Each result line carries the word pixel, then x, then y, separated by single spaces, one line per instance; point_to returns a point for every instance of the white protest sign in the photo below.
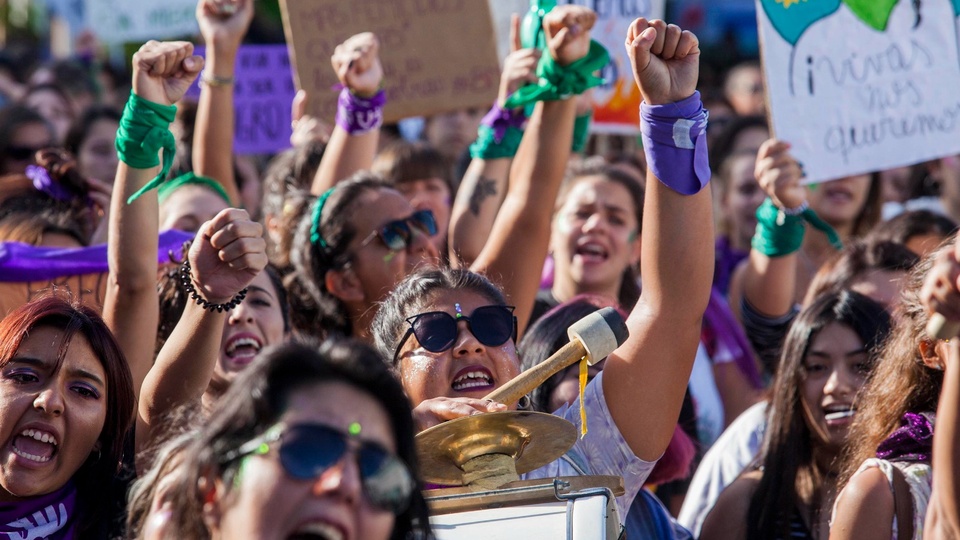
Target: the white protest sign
pixel 122 21
pixel 862 85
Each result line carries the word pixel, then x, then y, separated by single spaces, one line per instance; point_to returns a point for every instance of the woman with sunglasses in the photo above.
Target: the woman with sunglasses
pixel 358 242
pixel 452 335
pixel 314 440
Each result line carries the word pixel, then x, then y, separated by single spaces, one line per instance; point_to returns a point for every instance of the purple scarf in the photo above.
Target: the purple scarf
pixel 51 516
pixel 912 441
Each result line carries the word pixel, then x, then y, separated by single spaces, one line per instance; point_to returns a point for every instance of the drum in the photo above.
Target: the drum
pixel 575 508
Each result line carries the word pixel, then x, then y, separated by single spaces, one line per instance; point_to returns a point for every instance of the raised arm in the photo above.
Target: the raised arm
pixel 645 379
pixel 353 143
pixel 941 293
pixel 514 253
pixel 227 253
pixel 484 185
pixel 768 279
pixel 223 26
pixel 162 72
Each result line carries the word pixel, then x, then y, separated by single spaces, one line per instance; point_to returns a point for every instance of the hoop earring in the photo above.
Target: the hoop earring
pixel 524 403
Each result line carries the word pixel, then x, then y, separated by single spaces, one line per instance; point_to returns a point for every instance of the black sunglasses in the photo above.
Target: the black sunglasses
pixel 307 450
pixel 437 330
pixel 398 234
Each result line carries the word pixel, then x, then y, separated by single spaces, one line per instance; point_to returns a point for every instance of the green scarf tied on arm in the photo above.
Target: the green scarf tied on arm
pixel 560 82
pixel 144 131
pixel 780 233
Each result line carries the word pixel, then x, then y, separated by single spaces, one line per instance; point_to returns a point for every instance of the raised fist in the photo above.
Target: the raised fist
pixel 356 62
pixel 665 59
pixel 227 253
pixel 163 71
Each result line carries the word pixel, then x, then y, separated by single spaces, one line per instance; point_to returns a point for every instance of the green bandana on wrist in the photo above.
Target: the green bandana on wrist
pixel 779 234
pixel 486 146
pixel 560 82
pixel 144 131
pixel 581 132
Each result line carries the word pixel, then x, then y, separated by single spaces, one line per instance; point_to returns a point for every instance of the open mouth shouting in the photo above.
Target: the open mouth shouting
pixel 839 414
pixel 473 378
pixel 591 252
pixel 318 530
pixel 35 445
pixel 242 348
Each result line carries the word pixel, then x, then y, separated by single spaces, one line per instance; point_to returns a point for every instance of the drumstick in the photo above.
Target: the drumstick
pixel 594 336
pixel 939 327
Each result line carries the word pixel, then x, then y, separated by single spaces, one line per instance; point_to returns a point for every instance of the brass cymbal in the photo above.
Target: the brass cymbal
pixel 533 439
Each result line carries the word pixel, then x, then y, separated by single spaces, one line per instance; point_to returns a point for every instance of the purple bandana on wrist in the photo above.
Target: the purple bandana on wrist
pixel 499 119
pixel 912 441
pixel 357 115
pixel 42 181
pixel 675 140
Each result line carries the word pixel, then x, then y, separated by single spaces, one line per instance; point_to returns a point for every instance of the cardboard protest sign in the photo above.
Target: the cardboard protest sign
pixel 862 85
pixel 262 95
pixel 27 272
pixel 121 21
pixel 437 55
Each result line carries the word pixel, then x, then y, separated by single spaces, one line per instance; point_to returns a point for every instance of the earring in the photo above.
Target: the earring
pixel 524 403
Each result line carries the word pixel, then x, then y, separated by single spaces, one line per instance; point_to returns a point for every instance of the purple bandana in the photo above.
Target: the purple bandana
pixel 51 516
pixel 675 141
pixel 42 181
pixel 357 115
pixel 912 441
pixel 499 119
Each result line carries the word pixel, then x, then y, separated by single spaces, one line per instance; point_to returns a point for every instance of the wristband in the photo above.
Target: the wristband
pixel 499 133
pixel 581 132
pixel 560 82
pixel 357 115
pixel 186 281
pixel 209 79
pixel 145 130
pixel 778 234
pixel 675 141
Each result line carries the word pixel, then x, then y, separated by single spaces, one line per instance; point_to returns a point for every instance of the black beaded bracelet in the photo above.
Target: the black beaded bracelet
pixel 186 280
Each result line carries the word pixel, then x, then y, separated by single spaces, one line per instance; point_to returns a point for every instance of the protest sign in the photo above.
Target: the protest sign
pixel 122 21
pixel 616 103
pixel 861 85
pixel 437 55
pixel 262 95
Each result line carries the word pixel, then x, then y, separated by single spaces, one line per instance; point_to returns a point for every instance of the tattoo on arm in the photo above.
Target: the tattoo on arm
pixel 485 188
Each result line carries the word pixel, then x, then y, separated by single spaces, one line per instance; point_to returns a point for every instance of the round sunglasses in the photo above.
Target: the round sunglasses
pixel 397 235
pixel 307 450
pixel 436 331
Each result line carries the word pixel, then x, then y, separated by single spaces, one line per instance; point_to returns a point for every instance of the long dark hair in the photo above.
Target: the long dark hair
pixel 257 400
pixel 71 320
pixel 788 455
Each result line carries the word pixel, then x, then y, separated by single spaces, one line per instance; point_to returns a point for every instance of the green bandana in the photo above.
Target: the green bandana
pixel 144 131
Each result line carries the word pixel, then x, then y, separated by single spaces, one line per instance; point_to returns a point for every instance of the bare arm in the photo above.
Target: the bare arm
pixel 213 136
pixel 864 509
pixel 227 253
pixel 941 294
pixel 161 73
pixel 645 379
pixel 357 64
pixel 519 239
pixel 769 283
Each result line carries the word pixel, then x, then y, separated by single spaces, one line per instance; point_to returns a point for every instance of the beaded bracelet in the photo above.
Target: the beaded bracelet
pixel 187 282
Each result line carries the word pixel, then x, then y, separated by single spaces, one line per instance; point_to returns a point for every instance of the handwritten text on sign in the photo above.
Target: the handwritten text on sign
pixel 854 92
pixel 262 95
pixel 437 55
pixel 122 21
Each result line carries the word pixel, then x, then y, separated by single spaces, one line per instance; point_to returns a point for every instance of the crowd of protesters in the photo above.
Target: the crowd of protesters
pixel 269 334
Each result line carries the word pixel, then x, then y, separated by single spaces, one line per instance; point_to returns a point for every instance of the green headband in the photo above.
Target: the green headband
pixel 167 188
pixel 315 237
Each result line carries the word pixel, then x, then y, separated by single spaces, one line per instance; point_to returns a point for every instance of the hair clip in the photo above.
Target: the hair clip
pixel 42 181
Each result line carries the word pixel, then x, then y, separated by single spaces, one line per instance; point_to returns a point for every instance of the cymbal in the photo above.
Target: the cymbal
pixel 533 439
